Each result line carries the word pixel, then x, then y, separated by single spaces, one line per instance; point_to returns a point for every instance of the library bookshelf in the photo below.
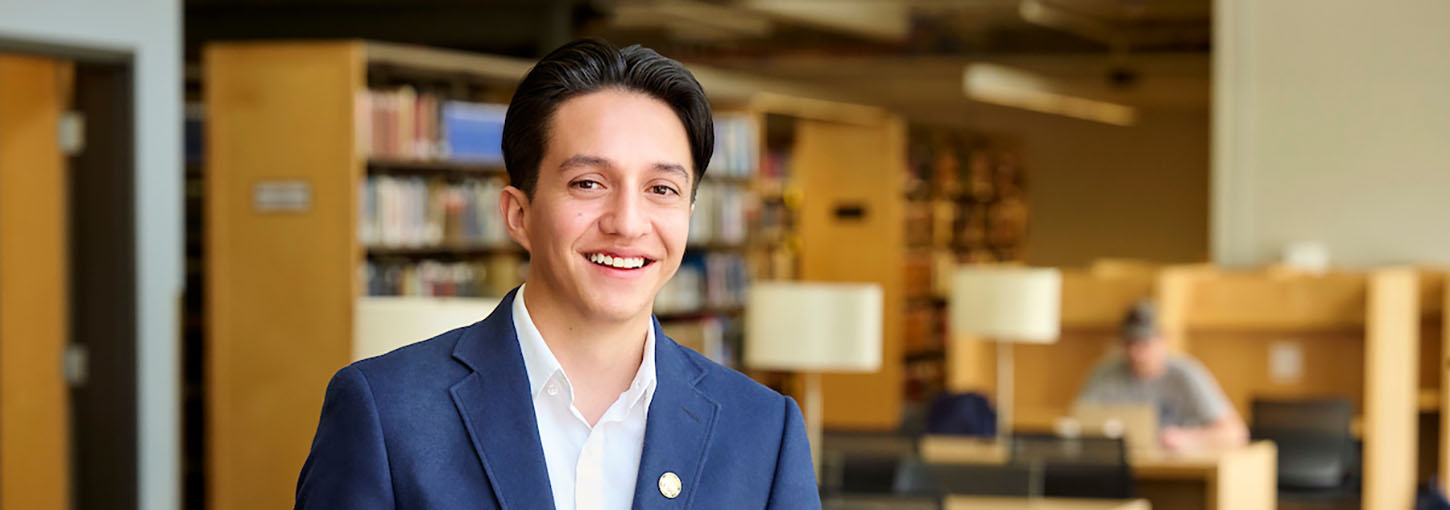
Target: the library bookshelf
pixel 302 147
pixel 966 203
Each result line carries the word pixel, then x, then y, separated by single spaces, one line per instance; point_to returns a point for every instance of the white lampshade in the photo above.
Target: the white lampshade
pixel 384 323
pixel 1006 304
pixel 813 327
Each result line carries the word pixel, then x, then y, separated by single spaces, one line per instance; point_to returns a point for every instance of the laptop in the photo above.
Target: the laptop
pixel 1137 424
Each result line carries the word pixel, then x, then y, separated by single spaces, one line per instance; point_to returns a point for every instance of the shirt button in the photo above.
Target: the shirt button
pixel 552 389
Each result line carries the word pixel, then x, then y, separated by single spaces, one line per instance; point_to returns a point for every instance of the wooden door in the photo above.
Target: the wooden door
pixel 34 426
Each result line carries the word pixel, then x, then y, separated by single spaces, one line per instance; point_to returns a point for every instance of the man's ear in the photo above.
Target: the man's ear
pixel 513 206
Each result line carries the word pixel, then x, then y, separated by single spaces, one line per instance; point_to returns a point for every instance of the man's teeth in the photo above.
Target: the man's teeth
pixel 618 262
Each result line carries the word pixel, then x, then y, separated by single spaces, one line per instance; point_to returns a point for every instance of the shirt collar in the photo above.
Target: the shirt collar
pixel 541 365
pixel 539 361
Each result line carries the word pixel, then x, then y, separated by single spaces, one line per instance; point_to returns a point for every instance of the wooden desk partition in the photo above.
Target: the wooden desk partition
pixel 1048 377
pixel 1238 479
pixel 1353 335
pixel 993 503
pixel 1434 400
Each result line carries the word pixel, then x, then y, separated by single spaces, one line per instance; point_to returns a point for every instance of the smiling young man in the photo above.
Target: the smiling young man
pixel 568 395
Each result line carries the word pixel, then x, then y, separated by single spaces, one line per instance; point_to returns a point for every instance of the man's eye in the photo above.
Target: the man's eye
pixel 663 190
pixel 586 185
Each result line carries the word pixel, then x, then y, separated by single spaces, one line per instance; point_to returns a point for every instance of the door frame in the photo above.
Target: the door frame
pixel 102 274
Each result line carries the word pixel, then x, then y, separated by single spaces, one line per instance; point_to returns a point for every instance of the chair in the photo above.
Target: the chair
pixel 1006 480
pixel 966 414
pixel 1080 467
pixel 1316 448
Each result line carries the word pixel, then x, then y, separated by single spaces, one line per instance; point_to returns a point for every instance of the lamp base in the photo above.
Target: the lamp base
pixel 812 382
pixel 1004 390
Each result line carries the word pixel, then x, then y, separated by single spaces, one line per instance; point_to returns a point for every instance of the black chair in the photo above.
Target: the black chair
pixel 1318 456
pixel 1082 467
pixel 1005 480
pixel 880 502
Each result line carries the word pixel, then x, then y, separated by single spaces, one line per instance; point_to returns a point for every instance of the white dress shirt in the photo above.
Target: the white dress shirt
pixel 589 467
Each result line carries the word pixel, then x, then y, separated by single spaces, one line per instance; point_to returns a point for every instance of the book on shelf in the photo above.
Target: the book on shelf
pixel 736 146
pixel 704 282
pixel 473 131
pixel 404 124
pixel 491 276
pixel 712 336
pixel 415 211
pixel 775 172
pixel 720 215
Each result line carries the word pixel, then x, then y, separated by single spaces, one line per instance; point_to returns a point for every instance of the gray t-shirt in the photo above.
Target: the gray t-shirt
pixel 1186 395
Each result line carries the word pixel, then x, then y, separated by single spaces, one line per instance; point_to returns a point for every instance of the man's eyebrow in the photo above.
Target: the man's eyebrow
pixel 585 160
pixel 673 167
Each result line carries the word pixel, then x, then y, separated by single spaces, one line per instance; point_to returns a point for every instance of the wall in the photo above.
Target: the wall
pixel 1097 190
pixel 1331 124
pixel 151 31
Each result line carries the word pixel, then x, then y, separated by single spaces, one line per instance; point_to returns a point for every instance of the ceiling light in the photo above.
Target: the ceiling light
pixel 1005 86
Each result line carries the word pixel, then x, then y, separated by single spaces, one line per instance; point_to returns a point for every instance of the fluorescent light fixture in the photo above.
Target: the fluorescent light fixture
pixel 1005 86
pixel 691 19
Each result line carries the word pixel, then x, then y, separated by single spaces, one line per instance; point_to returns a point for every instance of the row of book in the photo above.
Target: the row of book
pixel 943 162
pixel 402 123
pixel 717 337
pixel 1000 222
pixel 489 277
pixel 415 211
pixel 713 280
pixel 775 169
pixel 737 146
pixel 720 214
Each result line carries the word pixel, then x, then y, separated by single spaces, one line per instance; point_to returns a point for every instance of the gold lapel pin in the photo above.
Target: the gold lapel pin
pixel 670 485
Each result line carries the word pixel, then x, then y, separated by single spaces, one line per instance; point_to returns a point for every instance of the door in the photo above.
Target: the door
pixel 34 289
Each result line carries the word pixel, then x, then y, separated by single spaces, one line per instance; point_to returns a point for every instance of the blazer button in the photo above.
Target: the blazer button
pixel 670 485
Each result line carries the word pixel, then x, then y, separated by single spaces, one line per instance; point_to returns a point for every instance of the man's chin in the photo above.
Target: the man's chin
pixel 620 311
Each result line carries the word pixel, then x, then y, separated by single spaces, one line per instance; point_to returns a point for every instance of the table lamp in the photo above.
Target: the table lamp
pixel 811 328
pixel 1006 305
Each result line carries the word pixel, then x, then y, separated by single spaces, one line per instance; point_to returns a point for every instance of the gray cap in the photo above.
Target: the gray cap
pixel 1141 323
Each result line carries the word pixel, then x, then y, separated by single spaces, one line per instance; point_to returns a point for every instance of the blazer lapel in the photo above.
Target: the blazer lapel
pixel 678 430
pixel 498 411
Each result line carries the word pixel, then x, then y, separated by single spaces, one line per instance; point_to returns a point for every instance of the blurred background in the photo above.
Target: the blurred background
pixel 207 207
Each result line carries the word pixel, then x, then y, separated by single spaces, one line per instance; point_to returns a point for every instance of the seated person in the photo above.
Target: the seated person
pixel 1193 412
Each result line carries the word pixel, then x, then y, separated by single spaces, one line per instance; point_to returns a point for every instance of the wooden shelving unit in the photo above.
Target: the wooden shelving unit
pixel 438 168
pixel 965 203
pixel 282 286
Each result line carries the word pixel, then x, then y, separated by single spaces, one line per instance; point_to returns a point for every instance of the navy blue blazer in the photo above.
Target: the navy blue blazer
pixel 449 423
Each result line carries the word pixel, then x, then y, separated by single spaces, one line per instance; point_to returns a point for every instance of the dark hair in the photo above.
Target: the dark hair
pixel 590 65
pixel 1141 322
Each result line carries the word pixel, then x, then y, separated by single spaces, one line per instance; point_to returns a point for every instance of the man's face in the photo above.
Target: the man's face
pixel 1146 357
pixel 607 225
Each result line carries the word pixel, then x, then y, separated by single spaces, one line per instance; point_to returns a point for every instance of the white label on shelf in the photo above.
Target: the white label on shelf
pixel 1286 361
pixel 281 196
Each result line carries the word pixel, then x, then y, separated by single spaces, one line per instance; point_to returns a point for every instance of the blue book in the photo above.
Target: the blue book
pixel 473 131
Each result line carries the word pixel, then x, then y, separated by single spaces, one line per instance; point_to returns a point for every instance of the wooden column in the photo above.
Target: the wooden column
pixel 281 284
pixel 846 168
pixel 1391 406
